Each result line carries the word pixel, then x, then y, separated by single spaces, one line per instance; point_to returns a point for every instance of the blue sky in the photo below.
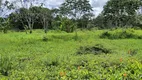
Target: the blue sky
pixel 96 4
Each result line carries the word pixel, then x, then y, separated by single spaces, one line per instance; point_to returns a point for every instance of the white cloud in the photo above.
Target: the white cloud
pixel 53 3
pixel 96 4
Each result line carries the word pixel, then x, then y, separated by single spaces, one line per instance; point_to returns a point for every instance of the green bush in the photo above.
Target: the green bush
pixel 121 34
pixel 67 25
pixel 5 25
pixel 45 38
pixel 96 50
pixel 6 65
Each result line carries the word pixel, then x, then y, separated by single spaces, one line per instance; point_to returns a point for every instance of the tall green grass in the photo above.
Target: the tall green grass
pixel 30 57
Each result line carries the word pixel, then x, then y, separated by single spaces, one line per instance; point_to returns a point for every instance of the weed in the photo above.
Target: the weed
pixel 96 50
pixel 45 38
pixel 6 65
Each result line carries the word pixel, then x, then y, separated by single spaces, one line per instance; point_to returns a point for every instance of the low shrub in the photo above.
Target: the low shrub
pixel 96 50
pixel 133 52
pixel 45 38
pixel 6 65
pixel 121 34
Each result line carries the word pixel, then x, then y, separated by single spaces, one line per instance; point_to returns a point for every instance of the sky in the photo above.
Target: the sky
pixel 96 4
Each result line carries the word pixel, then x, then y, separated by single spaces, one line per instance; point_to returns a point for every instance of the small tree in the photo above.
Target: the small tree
pixel 45 17
pixel 4 8
pixel 27 17
pixel 5 25
pixel 67 25
pixel 75 8
pixel 27 14
pixel 30 17
pixel 138 21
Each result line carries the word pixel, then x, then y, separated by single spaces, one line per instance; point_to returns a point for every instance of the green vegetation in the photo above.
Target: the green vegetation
pixel 122 34
pixel 31 57
pixel 71 15
pixel 70 42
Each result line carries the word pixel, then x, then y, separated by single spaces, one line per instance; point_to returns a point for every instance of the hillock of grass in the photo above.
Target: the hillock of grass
pixel 96 50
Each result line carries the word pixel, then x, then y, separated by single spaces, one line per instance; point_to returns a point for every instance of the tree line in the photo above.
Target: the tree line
pixel 70 15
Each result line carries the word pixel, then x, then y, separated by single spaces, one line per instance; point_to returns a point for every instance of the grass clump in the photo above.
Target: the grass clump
pixel 96 50
pixel 45 38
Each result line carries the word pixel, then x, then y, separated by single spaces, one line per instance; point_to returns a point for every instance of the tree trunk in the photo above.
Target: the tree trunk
pixel 45 24
pixel 46 27
pixel 29 25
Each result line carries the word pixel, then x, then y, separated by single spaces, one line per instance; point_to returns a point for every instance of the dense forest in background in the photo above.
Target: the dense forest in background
pixel 71 15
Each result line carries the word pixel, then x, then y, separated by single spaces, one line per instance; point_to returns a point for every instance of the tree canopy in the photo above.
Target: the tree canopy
pixel 75 8
pixel 121 12
pixel 71 14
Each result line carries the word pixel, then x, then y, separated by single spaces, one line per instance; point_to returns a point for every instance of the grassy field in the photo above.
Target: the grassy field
pixel 55 56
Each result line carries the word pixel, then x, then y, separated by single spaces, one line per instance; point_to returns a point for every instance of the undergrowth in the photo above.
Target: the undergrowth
pixel 121 34
pixel 62 56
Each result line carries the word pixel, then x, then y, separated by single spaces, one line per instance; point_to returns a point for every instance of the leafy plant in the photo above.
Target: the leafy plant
pixel 5 25
pixel 97 49
pixel 6 65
